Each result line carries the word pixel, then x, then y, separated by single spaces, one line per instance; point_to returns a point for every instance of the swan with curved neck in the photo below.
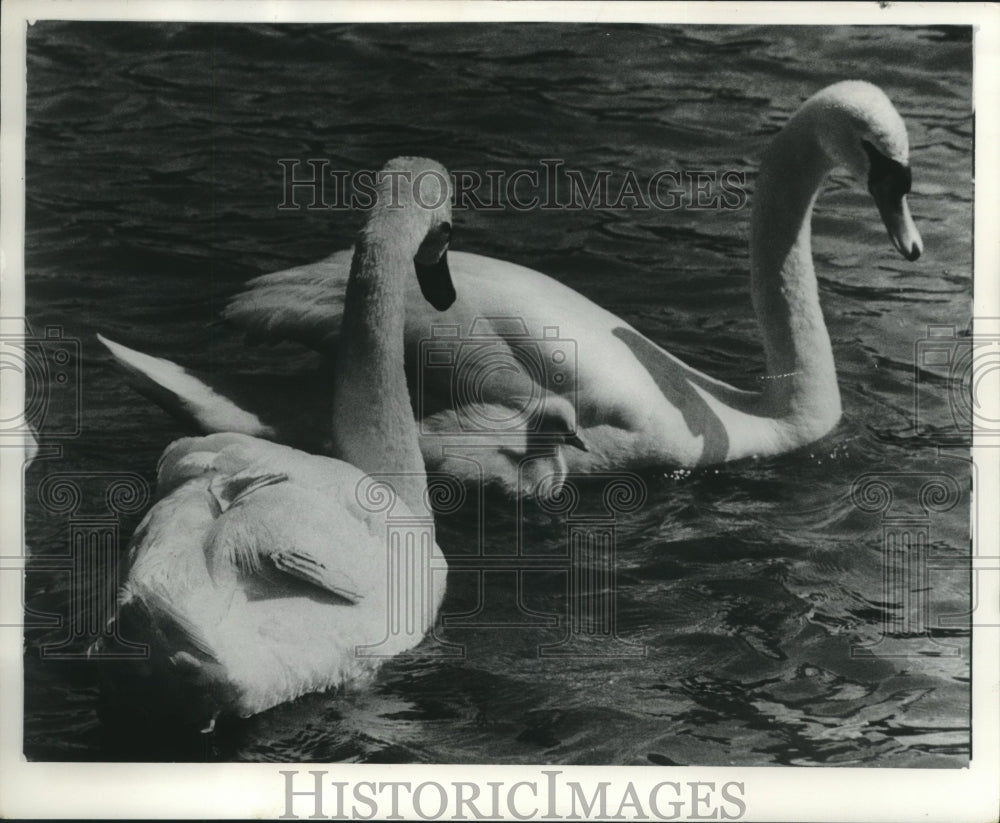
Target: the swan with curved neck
pixel 850 124
pixel 636 404
pixel 261 573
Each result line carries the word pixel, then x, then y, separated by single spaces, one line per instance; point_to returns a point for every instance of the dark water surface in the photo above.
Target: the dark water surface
pixel 152 194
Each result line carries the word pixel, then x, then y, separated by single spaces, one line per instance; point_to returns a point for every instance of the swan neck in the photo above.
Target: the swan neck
pixel 800 381
pixel 373 424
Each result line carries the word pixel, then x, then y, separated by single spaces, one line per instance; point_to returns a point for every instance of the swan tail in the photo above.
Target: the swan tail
pixel 183 394
pixel 302 305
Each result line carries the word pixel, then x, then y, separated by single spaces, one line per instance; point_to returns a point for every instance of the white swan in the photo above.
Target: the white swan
pixel 636 404
pixel 260 574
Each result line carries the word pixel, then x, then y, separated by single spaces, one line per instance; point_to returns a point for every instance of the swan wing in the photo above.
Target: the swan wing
pixel 240 518
pixel 311 568
pixel 277 527
pixel 278 511
pixel 303 304
pixel 289 408
pixel 183 393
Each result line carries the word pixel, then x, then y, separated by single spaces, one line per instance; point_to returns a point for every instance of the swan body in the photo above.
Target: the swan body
pixel 259 575
pixel 636 404
pixel 262 573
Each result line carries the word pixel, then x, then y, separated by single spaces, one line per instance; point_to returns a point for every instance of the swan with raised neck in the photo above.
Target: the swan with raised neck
pixel 370 374
pixel 851 124
pixel 263 573
pixel 636 405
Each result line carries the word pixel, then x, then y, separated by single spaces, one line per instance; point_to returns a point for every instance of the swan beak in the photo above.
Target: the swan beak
pixel 575 441
pixel 898 222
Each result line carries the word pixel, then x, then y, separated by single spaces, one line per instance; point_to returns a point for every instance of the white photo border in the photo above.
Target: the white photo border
pixel 209 790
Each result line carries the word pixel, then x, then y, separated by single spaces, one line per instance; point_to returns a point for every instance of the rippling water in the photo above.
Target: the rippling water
pixel 152 187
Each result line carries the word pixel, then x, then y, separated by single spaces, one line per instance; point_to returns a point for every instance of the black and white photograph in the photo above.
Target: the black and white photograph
pixel 531 412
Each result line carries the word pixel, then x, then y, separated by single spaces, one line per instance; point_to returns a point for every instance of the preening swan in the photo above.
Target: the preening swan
pixel 526 462
pixel 262 572
pixel 636 404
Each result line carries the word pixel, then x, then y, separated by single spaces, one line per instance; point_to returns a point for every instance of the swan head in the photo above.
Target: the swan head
pixel 538 462
pixel 557 420
pixel 858 127
pixel 414 194
pixel 517 450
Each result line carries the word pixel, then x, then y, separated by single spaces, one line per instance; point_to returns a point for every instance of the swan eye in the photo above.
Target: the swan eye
pixel 883 173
